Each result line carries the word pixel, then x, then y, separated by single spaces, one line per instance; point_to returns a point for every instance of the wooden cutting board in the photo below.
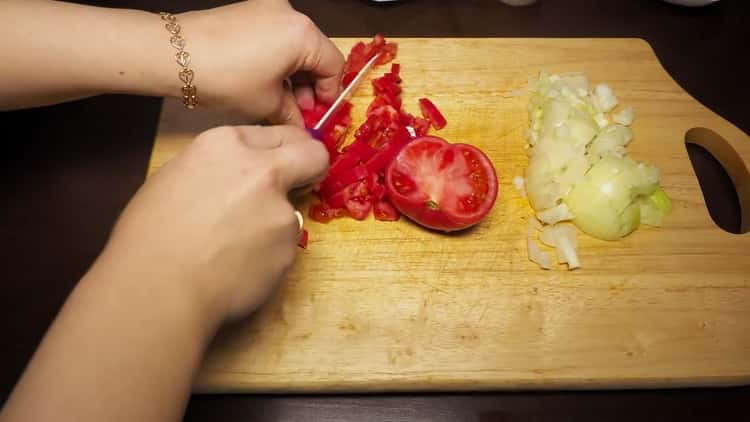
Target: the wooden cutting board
pixel 374 306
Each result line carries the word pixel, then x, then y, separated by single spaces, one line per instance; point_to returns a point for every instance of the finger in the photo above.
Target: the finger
pixel 305 97
pixel 302 160
pixel 299 193
pixel 289 112
pixel 303 90
pixel 325 63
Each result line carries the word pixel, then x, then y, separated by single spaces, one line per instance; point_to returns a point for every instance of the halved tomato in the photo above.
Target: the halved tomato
pixel 440 185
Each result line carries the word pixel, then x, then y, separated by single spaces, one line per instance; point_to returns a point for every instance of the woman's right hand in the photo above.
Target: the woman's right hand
pixel 215 222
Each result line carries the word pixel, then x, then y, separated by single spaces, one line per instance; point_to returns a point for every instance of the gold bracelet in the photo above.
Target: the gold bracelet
pixel 189 91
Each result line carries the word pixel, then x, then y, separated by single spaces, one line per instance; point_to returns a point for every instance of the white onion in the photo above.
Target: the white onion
pixel 579 169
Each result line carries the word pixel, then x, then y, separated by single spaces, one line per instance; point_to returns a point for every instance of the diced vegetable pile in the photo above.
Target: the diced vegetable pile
pixel 354 185
pixel 579 170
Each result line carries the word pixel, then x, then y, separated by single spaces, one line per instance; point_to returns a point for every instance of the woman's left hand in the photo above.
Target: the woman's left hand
pixel 243 53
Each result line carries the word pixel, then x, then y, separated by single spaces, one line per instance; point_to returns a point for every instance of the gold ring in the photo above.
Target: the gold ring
pixel 300 220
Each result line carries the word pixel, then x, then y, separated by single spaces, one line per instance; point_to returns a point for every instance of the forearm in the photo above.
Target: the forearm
pixel 123 348
pixel 54 51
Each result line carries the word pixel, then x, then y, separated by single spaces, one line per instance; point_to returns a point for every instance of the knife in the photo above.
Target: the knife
pixel 315 131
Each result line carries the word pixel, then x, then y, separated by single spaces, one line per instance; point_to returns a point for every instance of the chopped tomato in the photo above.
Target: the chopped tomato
pixel 312 116
pixel 431 113
pixel 335 183
pixel 357 152
pixel 303 237
pixel 361 53
pixel 384 211
pixel 334 132
pixel 440 185
pixel 323 213
pixel 385 155
pixel 421 126
pixel 389 53
pixel 396 70
pixel 359 207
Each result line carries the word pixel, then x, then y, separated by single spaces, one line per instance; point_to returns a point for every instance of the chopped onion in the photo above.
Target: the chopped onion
pixel 562 237
pixel 579 169
pixel 536 255
pixel 625 116
pixel 566 245
pixel 604 98
pixel 554 215
pixel 533 224
pixel 655 208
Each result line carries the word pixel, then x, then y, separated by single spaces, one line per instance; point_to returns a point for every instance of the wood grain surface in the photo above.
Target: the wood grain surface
pixel 376 306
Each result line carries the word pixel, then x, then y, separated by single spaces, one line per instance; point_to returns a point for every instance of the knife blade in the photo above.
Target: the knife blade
pixel 315 130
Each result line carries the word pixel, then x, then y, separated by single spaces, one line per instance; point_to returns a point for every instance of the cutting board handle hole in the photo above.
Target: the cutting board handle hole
pixel 716 163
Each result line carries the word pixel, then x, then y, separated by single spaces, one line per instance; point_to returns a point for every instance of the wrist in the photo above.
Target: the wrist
pixel 173 298
pixel 133 55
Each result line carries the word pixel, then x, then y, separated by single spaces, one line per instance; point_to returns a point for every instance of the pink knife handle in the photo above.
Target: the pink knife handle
pixel 315 133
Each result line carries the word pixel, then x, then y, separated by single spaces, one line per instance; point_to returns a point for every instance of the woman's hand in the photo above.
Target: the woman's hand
pixel 205 239
pixel 216 218
pixel 243 53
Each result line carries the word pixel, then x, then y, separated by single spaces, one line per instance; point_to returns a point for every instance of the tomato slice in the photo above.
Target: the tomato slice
pixel 440 185
pixel 431 113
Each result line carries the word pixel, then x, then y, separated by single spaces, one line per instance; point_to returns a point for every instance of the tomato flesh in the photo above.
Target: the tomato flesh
pixel 440 185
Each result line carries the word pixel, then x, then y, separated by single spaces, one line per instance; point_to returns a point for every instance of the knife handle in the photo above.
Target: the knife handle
pixel 316 134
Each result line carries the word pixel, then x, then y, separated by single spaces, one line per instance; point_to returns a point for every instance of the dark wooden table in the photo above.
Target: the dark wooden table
pixel 67 171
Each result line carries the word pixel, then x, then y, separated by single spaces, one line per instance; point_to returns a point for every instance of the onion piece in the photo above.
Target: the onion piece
pixel 561 212
pixel 563 238
pixel 625 116
pixel 655 208
pixel 604 98
pixel 536 255
pixel 533 225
